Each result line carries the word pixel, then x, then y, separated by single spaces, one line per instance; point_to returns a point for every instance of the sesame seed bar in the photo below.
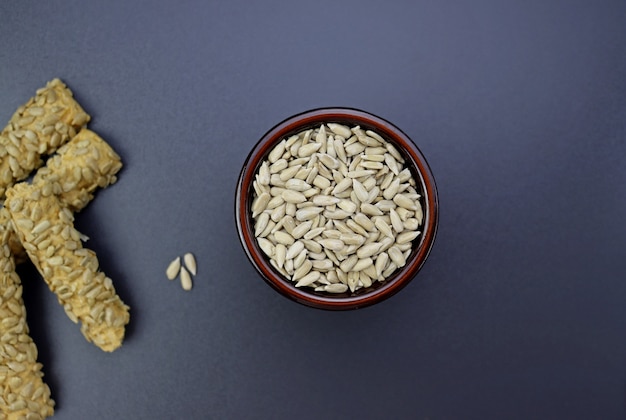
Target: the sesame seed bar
pixel 54 246
pixel 24 392
pixel 39 127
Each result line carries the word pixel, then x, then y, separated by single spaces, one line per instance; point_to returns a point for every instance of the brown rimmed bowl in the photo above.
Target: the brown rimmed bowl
pixel 363 297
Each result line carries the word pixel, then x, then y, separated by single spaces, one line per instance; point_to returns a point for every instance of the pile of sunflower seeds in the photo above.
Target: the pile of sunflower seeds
pixel 335 209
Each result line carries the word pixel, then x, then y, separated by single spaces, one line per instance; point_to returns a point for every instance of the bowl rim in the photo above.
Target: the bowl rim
pixel 390 132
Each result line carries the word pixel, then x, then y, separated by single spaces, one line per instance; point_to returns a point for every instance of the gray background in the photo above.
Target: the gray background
pixel 520 108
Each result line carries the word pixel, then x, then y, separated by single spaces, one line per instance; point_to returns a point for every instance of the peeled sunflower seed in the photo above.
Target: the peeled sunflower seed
pixel 297 185
pixel 173 269
pixel 336 288
pixel 190 263
pixel 185 279
pixel 340 130
pixel 294 250
pixel 308 279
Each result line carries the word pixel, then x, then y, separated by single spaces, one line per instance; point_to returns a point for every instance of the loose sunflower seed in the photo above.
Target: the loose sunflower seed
pixel 173 268
pixel 185 279
pixel 190 263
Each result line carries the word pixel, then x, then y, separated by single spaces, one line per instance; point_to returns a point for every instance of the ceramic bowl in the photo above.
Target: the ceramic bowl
pixel 425 186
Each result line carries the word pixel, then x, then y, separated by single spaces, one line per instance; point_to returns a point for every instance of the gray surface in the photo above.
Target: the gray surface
pixel 520 107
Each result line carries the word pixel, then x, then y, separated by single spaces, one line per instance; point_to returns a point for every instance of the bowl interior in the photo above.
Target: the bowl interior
pixel 425 186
